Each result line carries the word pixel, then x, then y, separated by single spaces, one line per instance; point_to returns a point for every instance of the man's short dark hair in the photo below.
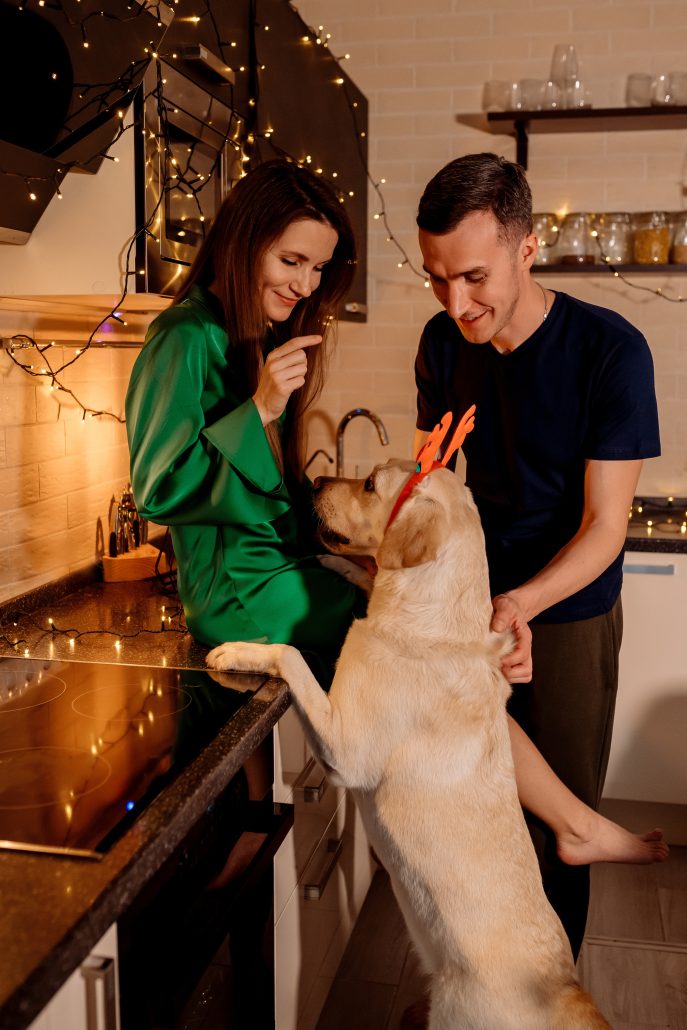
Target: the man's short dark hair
pixel 478 182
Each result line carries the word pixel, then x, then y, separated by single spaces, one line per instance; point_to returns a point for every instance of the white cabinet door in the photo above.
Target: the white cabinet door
pixel 326 851
pixel 647 761
pixel 89 998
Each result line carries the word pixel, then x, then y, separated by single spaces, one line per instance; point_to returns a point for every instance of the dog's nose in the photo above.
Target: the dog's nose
pixel 320 481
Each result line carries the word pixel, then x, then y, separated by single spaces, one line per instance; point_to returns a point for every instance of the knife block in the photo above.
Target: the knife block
pixel 132 565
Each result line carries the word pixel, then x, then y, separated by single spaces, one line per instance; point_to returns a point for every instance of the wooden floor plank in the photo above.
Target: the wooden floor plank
pixel 379 943
pixel 671 878
pixel 638 979
pixel 411 988
pixel 637 987
pixel 624 902
pixel 357 1005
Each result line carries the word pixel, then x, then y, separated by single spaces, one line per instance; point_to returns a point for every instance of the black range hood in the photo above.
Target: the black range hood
pixel 69 69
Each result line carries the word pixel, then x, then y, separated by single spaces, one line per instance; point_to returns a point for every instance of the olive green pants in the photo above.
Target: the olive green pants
pixel 567 710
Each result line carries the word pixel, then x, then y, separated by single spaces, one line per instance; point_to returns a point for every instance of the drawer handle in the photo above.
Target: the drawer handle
pixel 650 570
pixel 311 783
pixel 98 970
pixel 324 867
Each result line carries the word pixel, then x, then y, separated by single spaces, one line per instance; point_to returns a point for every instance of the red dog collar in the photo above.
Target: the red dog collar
pixel 425 458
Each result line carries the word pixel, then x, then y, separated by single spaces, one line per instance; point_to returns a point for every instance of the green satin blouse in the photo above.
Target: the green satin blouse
pixel 201 463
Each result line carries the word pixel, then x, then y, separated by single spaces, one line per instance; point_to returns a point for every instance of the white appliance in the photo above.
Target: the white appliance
pixel 648 760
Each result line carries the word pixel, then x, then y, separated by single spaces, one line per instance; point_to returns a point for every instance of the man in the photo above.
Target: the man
pixel 566 412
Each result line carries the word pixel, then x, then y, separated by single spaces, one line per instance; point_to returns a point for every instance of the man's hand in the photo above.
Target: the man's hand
pixel 516 666
pixel 283 372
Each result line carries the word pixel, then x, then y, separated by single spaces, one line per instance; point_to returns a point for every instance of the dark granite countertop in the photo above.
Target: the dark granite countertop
pixel 658 541
pixel 54 909
pixel 656 523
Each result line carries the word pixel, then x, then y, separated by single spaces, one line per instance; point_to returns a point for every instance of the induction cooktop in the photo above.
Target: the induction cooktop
pixel 85 747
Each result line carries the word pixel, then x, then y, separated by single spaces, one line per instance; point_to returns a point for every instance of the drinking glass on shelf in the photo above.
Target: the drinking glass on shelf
pixel 515 102
pixel 532 93
pixel 552 99
pixel 662 95
pixel 496 95
pixel 575 94
pixel 678 87
pixel 564 66
pixel 639 89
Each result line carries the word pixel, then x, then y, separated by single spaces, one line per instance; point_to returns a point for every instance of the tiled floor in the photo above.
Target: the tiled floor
pixel 634 959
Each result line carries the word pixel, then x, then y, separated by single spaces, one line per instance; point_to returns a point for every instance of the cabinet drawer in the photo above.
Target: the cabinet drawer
pixel 89 998
pixel 290 755
pixel 311 935
pixel 302 938
pixel 311 824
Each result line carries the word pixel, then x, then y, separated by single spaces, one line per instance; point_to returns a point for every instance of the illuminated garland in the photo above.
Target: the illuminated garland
pixel 618 274
pixel 183 178
pixel 167 616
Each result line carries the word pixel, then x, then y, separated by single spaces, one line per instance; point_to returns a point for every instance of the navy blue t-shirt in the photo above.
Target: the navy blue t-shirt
pixel 581 387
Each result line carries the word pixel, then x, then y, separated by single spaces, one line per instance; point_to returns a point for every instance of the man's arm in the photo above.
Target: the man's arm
pixel 609 487
pixel 608 492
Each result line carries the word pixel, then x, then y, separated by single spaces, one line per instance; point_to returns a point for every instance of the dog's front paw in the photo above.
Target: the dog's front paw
pixel 240 656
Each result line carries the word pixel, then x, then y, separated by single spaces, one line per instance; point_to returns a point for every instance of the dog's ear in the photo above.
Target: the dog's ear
pixel 414 538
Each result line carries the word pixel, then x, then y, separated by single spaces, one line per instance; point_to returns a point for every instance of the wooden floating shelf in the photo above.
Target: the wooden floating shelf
pixel 590 119
pixel 599 269
pixel 522 124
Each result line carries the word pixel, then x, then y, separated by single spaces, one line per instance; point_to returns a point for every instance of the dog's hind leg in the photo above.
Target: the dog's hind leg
pixel 320 718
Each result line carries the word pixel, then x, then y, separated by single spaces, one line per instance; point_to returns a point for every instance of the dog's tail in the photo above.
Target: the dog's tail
pixel 576 1011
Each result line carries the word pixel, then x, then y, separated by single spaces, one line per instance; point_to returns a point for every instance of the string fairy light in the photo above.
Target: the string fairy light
pixel 183 177
pixel 618 273
pixel 48 628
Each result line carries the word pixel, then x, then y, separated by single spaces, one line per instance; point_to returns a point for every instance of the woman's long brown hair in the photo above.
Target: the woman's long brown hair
pixel 259 208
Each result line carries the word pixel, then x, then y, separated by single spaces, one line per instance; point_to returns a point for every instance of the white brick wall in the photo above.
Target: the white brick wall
pixel 420 64
pixel 57 471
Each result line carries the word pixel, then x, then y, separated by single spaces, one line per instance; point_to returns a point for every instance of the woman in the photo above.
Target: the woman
pixel 215 416
pixel 215 420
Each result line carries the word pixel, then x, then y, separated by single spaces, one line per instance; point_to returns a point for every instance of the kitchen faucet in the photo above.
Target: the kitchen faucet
pixel 379 425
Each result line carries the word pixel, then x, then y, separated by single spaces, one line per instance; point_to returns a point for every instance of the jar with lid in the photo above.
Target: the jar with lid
pixel 651 238
pixel 613 232
pixel 545 228
pixel 678 249
pixel 576 246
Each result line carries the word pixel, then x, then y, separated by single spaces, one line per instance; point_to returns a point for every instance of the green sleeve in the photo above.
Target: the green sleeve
pixel 198 455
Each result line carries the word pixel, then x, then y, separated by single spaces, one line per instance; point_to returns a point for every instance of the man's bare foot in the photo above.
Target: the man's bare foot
pixel 605 841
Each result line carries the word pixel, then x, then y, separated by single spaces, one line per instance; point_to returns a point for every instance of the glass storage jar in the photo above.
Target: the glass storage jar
pixel 576 246
pixel 651 238
pixel 614 237
pixel 678 249
pixel 545 228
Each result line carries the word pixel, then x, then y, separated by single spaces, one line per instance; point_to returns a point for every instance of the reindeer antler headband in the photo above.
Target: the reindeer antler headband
pixel 425 458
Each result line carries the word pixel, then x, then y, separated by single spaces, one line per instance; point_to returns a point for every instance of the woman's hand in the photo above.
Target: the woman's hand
pixel 516 666
pixel 283 372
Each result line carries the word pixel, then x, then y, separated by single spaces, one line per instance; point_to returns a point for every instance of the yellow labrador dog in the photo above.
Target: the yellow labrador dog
pixel 415 726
